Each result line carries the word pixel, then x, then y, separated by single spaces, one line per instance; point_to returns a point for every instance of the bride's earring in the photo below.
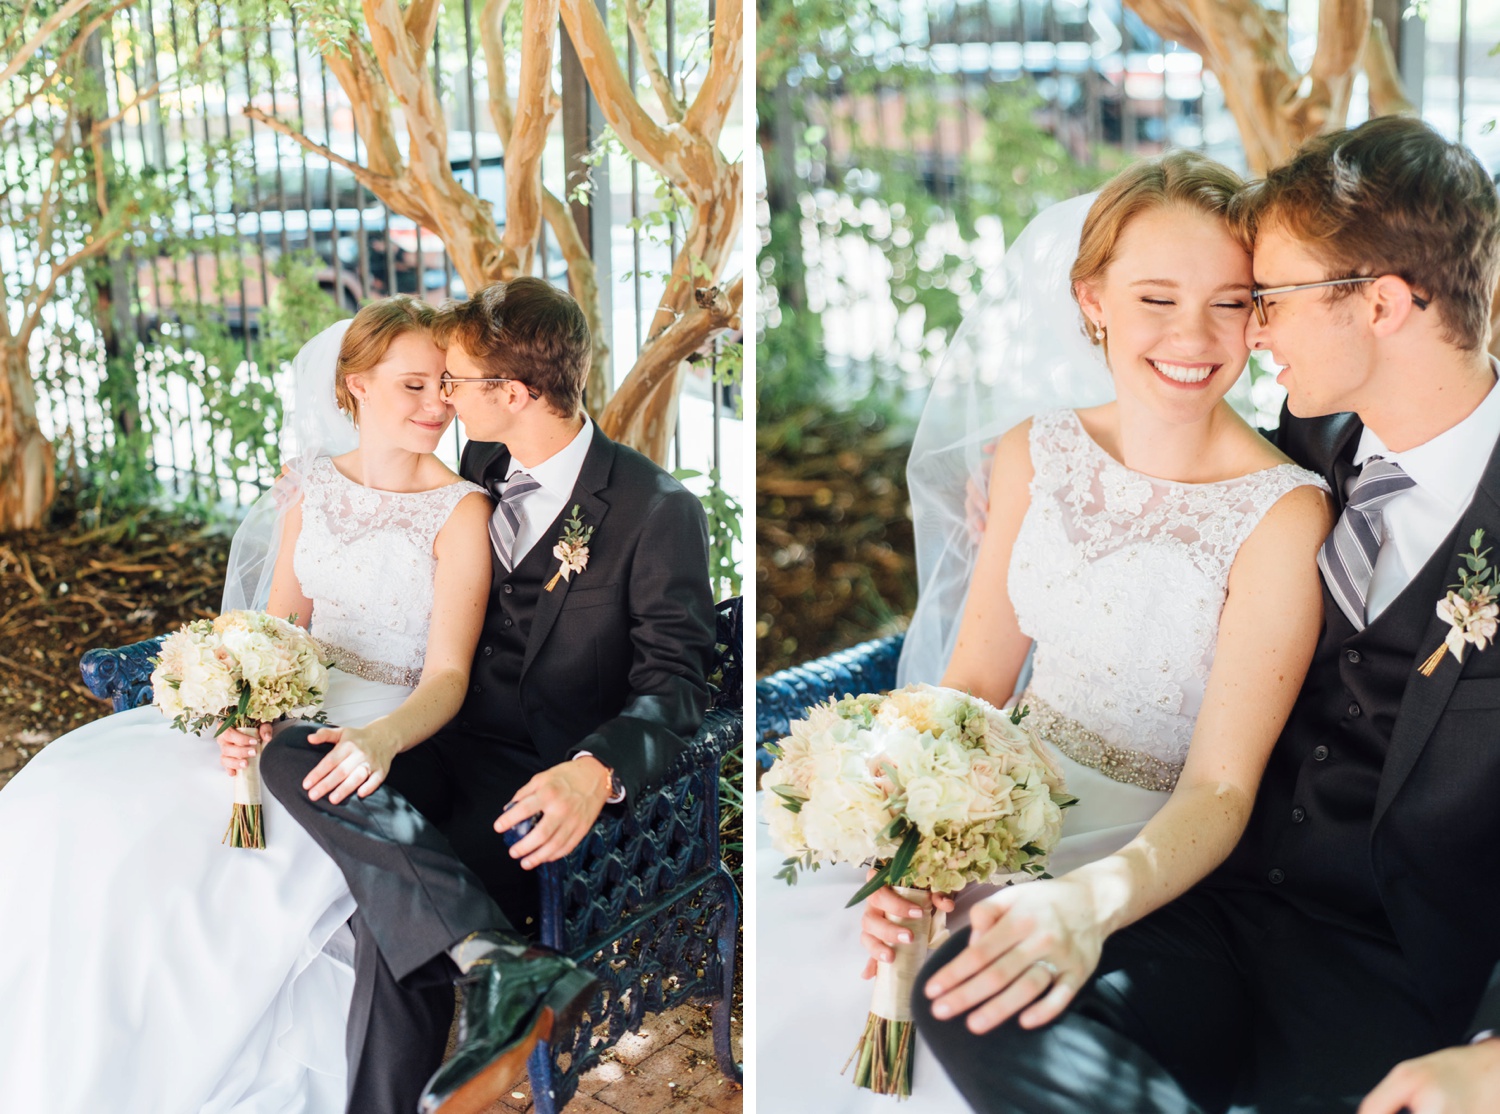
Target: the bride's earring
pixel 1099 333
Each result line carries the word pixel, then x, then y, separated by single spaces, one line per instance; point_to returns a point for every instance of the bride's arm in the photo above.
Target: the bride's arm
pixel 287 598
pixel 461 587
pixel 987 657
pixel 990 650
pixel 1267 634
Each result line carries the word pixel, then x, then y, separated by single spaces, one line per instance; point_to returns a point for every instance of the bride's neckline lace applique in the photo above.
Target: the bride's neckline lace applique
pixel 1120 578
pixel 365 559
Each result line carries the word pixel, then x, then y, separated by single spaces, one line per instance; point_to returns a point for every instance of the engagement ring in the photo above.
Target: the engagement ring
pixel 1048 966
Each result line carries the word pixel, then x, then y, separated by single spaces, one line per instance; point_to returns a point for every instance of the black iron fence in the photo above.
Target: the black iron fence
pixel 177 346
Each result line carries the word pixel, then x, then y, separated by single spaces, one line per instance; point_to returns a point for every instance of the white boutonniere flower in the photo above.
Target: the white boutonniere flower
pixel 1471 608
pixel 572 549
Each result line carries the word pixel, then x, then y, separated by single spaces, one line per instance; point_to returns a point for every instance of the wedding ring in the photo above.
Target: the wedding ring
pixel 365 766
pixel 1051 968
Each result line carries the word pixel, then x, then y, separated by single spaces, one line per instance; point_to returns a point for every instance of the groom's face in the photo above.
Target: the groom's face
pixel 1324 354
pixel 487 410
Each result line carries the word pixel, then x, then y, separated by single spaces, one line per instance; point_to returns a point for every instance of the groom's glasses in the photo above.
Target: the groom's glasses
pixel 1258 297
pixel 448 383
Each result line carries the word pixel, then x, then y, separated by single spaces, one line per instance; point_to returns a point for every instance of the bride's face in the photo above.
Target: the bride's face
pixel 1174 303
pixel 400 402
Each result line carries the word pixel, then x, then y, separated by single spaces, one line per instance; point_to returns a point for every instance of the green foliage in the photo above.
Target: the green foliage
pixel 820 61
pixel 724 514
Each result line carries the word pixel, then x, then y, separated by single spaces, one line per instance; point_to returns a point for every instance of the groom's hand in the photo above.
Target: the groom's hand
pixel 1462 1080
pixel 569 797
pixel 236 748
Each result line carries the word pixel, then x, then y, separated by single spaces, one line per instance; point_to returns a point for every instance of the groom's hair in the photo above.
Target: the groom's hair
pixel 527 330
pixel 1391 197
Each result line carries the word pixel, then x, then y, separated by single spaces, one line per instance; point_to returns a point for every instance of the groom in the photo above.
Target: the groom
pixel 1347 955
pixel 582 692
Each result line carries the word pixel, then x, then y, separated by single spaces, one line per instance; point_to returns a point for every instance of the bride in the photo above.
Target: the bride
pixel 1154 552
pixel 146 968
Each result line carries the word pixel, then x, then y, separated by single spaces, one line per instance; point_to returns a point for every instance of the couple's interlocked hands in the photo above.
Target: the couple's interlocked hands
pixel 564 800
pixel 1031 945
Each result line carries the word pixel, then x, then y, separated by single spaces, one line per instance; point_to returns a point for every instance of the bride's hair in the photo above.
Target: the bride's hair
pixel 370 335
pixel 1183 178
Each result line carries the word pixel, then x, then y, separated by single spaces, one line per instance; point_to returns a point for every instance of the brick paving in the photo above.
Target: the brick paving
pixel 668 1066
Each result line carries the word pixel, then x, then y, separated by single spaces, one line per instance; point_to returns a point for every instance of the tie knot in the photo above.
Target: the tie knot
pixel 1379 481
pixel 519 485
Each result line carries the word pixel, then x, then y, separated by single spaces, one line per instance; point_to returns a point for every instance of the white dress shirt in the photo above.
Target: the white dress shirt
pixel 1447 471
pixel 558 475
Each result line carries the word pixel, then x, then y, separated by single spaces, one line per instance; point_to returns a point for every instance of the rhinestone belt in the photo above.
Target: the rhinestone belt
pixel 1090 749
pixel 369 668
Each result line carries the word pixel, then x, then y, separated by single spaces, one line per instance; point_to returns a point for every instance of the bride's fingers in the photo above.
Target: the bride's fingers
pixel 869 971
pixel 887 901
pixel 986 945
pixel 372 783
pixel 885 932
pixel 1015 967
pixel 334 770
pixel 326 735
pixel 1050 1007
pixel 354 776
pixel 1032 984
pixel 877 948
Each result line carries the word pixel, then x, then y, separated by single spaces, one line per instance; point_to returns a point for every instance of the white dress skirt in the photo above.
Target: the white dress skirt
pixel 811 1004
pixel 145 967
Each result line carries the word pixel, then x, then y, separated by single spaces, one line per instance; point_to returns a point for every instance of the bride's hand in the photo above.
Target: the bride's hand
pixel 359 762
pixel 236 748
pixel 878 934
pixel 1017 937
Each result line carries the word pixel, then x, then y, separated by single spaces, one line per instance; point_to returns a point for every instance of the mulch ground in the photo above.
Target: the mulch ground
pixel 833 554
pixel 73 587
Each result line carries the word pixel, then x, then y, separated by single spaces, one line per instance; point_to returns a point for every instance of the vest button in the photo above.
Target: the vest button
pixel 488 650
pixel 1353 710
pixel 1319 753
pixel 508 588
pixel 476 690
pixel 1298 815
pixel 1352 655
pixel 1276 877
pixel 509 622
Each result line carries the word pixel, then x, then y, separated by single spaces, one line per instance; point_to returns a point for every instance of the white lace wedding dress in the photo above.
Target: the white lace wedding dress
pixel 145 968
pixel 1119 578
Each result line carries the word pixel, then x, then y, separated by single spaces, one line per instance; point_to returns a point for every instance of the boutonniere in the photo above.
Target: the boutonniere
pixel 1471 607
pixel 572 549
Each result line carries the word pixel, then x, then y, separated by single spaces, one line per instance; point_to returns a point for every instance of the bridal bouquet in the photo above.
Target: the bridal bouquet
pixel 244 668
pixel 935 789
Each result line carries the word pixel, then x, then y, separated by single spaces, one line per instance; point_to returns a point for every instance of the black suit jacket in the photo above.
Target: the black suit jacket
pixel 1434 837
pixel 616 659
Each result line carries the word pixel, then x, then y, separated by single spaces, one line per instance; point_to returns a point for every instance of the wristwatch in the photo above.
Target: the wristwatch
pixel 616 786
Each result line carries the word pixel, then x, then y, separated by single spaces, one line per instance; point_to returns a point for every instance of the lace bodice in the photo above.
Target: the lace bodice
pixel 365 559
pixel 1120 579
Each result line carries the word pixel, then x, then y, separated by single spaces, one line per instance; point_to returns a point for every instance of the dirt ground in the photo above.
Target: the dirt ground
pixel 833 554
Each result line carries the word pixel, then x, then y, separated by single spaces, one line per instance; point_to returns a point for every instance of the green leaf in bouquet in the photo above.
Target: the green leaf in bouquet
pixel 1063 800
pixel 1018 714
pixel 773 749
pixel 894 871
pixel 1033 849
pixel 875 882
pixel 788 871
pixel 791 800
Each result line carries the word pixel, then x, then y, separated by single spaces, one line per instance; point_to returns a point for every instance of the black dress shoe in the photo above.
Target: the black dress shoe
pixel 514 996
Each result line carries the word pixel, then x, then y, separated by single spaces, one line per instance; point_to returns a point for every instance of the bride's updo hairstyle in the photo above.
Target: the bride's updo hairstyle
pixel 1180 178
pixel 370 335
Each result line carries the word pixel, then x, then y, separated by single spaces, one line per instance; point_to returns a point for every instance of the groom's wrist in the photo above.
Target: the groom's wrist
pixel 614 788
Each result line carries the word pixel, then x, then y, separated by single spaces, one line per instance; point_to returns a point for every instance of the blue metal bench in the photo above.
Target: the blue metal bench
pixel 786 694
pixel 644 902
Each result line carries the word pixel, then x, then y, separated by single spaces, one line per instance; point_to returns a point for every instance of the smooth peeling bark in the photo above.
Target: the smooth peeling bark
pixel 27 484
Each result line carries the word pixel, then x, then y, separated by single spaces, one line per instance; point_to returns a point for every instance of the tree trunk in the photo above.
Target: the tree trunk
pixel 27 484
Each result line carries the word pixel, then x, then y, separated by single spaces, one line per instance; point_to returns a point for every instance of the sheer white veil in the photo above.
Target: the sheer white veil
pixel 318 428
pixel 1019 352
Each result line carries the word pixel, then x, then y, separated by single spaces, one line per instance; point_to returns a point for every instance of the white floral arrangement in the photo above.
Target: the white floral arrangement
pixel 242 669
pixel 935 789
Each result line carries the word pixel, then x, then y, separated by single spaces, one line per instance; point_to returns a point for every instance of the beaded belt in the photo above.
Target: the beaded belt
pixel 1090 749
pixel 369 668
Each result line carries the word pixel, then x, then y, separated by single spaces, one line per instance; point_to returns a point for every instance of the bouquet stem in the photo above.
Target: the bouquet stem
pixel 246 828
pixel 883 1057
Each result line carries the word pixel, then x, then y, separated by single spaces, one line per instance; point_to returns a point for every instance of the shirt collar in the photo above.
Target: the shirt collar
pixel 559 472
pixel 1450 465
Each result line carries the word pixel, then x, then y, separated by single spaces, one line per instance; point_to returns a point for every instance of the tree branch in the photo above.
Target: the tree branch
pixel 1342 34
pixel 385 188
pixel 60 66
pixel 641 135
pixel 1387 94
pixel 35 43
pixel 528 137
pixel 421 23
pixel 492 40
pixel 97 246
pixel 370 101
pixel 721 85
pixel 635 20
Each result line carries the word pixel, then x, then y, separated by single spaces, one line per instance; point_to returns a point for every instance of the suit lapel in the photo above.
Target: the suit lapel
pixel 591 479
pixel 1425 698
pixel 483 461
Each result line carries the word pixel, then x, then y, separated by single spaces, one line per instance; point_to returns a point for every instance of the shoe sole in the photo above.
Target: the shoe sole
pixel 560 1011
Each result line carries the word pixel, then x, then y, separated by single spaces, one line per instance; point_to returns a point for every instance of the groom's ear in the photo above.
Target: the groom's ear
pixel 1391 305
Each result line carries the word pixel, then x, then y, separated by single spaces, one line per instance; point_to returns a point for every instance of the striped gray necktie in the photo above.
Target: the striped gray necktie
pixel 505 523
pixel 1348 556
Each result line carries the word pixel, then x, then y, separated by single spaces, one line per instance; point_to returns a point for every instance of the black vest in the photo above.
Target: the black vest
pixel 493 705
pixel 1308 840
